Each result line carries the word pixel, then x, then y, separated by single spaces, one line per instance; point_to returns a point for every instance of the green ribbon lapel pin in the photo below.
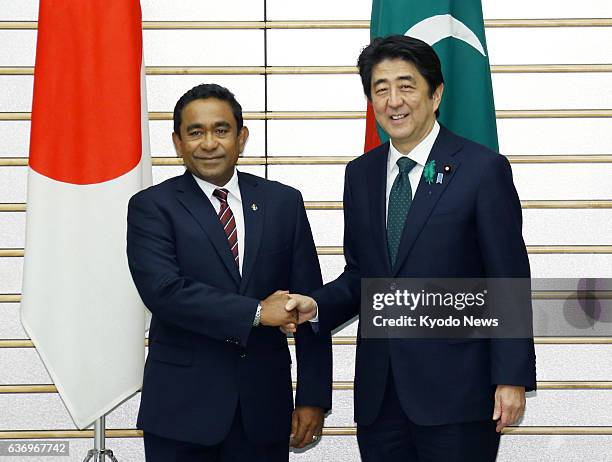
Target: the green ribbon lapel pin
pixel 429 171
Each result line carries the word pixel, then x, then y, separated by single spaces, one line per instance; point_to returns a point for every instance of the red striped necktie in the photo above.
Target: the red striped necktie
pixel 228 222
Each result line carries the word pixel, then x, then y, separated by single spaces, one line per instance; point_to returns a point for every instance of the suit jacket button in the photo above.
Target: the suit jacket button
pixel 243 355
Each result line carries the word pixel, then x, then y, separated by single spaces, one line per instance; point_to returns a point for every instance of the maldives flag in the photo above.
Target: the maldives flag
pixel 455 30
pixel 89 154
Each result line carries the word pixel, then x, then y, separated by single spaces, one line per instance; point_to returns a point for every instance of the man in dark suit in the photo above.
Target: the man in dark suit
pixel 209 251
pixel 429 399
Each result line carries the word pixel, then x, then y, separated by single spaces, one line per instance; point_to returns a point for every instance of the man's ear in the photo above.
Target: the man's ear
pixel 437 96
pixel 243 137
pixel 176 140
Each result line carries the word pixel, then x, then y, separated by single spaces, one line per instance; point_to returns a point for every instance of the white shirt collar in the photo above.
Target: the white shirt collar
pixel 232 186
pixel 421 151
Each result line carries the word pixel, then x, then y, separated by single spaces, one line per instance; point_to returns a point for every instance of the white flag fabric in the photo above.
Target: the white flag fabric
pixel 89 153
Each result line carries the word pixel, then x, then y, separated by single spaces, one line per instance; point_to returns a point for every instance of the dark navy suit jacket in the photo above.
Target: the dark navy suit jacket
pixel 468 226
pixel 204 356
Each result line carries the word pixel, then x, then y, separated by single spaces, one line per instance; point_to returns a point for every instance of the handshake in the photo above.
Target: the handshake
pixel 287 311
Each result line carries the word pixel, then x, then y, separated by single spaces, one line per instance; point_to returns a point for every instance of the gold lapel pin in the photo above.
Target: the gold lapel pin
pixel 253 207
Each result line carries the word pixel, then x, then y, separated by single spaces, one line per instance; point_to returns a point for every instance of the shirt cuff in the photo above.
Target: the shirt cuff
pixel 316 316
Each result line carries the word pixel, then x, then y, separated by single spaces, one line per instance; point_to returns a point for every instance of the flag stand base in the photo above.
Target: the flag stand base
pixel 99 456
pixel 99 453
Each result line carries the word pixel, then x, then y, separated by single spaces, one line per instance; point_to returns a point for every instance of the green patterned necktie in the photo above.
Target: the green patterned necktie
pixel 400 199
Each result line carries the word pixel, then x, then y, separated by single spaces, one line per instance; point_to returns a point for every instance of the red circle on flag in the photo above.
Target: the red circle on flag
pixel 86 115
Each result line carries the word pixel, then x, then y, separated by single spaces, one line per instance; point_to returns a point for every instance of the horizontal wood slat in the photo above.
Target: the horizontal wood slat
pixel 330 70
pixel 348 115
pixel 339 386
pixel 535 295
pixel 330 24
pixel 531 249
pixel 343 160
pixel 335 205
pixel 349 341
pixel 337 250
pixel 328 431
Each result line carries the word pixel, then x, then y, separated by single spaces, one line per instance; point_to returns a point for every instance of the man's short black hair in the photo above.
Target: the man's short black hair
pixel 205 91
pixel 409 49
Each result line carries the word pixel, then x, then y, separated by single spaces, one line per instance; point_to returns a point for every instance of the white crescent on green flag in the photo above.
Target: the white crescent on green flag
pixel 455 29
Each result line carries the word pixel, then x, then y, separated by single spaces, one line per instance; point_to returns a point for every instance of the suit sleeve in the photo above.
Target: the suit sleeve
pixel 173 298
pixel 313 351
pixel 339 300
pixel 499 221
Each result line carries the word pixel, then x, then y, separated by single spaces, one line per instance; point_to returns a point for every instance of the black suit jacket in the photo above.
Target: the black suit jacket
pixel 468 226
pixel 204 356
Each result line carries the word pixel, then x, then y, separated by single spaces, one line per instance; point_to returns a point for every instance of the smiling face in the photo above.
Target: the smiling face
pixel 209 143
pixel 402 104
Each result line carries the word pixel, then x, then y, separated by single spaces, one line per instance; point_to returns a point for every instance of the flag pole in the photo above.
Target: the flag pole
pixel 100 437
pixel 99 452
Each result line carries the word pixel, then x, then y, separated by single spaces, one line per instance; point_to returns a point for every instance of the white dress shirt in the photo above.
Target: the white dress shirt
pixel 234 200
pixel 419 154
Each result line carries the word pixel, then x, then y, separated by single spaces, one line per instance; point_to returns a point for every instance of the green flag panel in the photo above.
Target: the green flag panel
pixel 455 29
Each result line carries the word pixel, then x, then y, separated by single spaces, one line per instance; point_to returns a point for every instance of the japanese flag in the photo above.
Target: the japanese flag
pixel 89 154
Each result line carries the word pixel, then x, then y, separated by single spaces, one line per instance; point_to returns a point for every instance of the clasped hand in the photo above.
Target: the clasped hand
pixel 287 311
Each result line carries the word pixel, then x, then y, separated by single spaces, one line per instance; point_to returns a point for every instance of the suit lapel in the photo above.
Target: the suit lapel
pixel 198 205
pixel 377 183
pixel 427 195
pixel 253 206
